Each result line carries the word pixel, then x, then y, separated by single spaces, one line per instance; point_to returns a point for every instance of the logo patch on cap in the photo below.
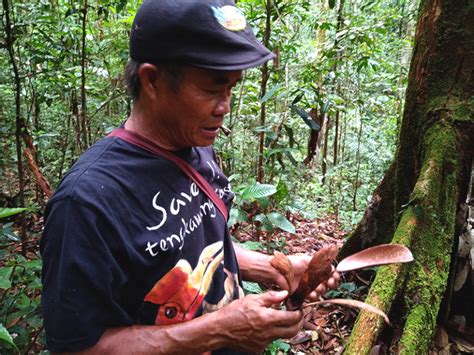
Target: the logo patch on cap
pixel 230 17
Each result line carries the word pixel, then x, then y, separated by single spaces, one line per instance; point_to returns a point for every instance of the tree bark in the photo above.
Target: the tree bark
pixel 263 90
pixel 339 26
pixel 18 120
pixel 85 127
pixel 356 182
pixel 324 160
pixel 428 179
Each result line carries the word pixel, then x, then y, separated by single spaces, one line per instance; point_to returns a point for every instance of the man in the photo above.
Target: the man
pixel 137 259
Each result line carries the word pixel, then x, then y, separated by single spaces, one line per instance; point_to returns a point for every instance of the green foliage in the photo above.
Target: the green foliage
pixel 257 191
pixel 354 70
pixel 277 347
pixel 346 290
pixel 252 245
pixel 7 212
pixel 20 286
pixel 6 338
pixel 253 200
pixel 252 288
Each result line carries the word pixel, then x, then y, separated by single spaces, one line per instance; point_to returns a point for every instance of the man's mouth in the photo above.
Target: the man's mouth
pixel 212 129
pixel 211 132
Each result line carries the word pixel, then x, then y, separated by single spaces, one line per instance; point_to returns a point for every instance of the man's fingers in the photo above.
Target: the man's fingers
pixel 334 280
pixel 268 299
pixel 332 283
pixel 321 289
pixel 287 318
pixel 287 332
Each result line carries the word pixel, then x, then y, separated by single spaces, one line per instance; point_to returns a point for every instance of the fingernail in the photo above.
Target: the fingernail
pixel 279 294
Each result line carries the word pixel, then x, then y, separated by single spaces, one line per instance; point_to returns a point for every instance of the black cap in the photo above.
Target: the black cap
pixel 211 34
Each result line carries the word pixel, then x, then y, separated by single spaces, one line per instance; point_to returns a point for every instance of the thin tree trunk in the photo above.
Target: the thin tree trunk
pixel 336 138
pixel 284 116
pixel 314 141
pixel 261 136
pixel 342 143
pixel 339 26
pixel 18 121
pixel 84 122
pixel 76 122
pixel 263 90
pixel 65 146
pixel 356 182
pixel 324 160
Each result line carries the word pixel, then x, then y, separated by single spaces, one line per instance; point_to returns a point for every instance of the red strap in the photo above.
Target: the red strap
pixel 193 174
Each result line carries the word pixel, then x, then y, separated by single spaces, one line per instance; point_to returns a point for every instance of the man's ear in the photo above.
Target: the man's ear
pixel 149 79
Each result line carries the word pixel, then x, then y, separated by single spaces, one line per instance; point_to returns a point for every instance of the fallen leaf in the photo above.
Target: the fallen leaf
pixel 353 303
pixel 301 337
pixel 441 338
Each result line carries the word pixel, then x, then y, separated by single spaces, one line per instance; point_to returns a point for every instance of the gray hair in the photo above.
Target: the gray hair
pixel 170 71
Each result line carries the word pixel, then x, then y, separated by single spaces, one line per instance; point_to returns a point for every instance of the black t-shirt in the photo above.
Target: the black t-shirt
pixel 130 239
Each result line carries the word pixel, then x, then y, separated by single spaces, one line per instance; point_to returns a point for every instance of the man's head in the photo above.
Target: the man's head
pixel 211 34
pixel 186 55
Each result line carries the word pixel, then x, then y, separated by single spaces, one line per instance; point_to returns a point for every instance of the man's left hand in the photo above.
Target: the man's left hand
pixel 300 263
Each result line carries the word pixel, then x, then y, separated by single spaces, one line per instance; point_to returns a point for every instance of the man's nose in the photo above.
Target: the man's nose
pixel 223 106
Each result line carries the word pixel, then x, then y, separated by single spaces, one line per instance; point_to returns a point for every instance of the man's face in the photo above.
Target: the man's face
pixel 193 114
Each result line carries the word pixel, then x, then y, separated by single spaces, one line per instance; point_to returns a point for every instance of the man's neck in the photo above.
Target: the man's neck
pixel 139 122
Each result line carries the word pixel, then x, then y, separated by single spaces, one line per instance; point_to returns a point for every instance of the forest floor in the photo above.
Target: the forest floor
pixel 327 327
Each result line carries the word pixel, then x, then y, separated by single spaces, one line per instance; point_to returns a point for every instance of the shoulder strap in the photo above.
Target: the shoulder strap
pixel 193 174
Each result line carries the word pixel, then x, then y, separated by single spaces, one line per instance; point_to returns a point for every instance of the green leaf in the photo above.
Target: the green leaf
pixel 265 223
pixel 6 337
pixel 291 135
pixel 306 118
pixel 297 98
pixel 282 191
pixel 348 286
pixel 252 287
pixel 236 215
pixel 332 3
pixel 7 212
pixel 5 274
pixel 252 245
pixel 277 346
pixel 280 221
pixel 8 232
pixel 257 191
pixel 271 93
pixel 280 150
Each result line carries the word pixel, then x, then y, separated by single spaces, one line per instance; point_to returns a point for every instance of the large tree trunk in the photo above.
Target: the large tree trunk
pixel 416 202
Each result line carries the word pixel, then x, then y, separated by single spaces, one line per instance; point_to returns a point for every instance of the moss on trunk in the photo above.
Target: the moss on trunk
pixel 427 227
pixel 426 181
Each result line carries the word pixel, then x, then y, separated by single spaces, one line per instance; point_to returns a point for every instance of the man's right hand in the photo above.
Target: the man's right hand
pixel 247 324
pixel 252 322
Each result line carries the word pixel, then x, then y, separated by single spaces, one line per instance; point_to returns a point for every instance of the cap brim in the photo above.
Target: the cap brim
pixel 237 65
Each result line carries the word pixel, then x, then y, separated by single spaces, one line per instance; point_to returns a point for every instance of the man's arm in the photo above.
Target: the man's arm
pixel 247 324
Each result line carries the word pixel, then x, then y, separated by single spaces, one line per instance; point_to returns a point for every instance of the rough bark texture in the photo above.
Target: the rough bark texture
pixel 416 203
